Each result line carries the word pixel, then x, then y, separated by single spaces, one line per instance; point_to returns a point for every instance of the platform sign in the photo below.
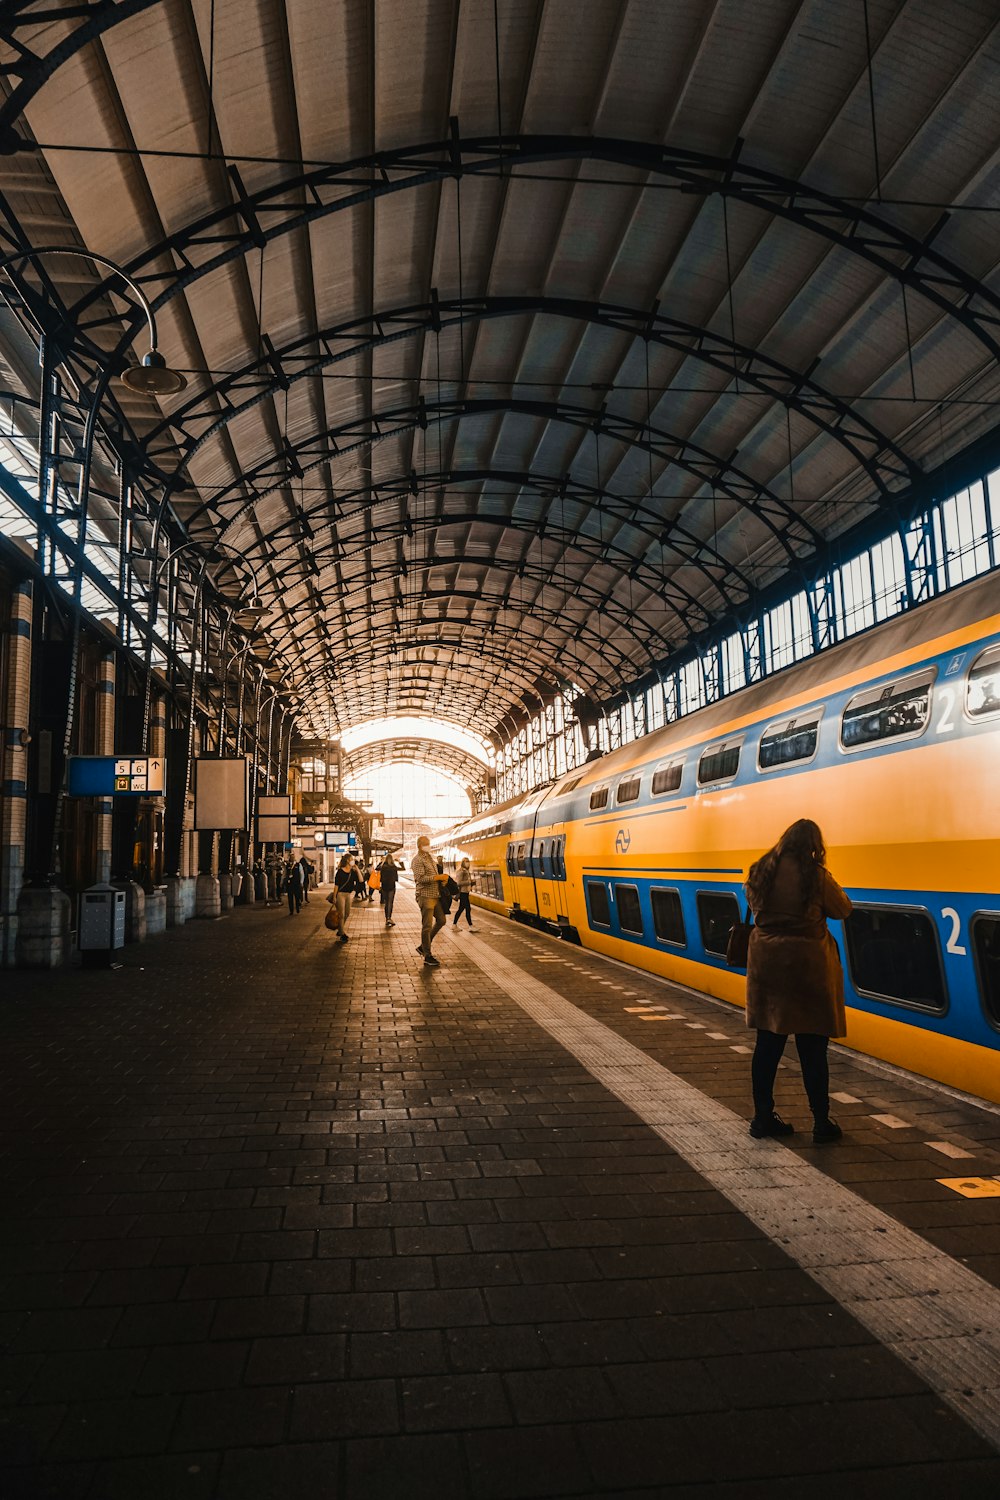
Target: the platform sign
pixel 274 820
pixel 115 776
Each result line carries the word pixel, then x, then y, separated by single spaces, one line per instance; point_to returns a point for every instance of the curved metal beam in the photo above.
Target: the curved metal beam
pixel 320 449
pixel 551 488
pixel 562 650
pixel 200 420
pixel 344 547
pixel 258 218
pixel 35 69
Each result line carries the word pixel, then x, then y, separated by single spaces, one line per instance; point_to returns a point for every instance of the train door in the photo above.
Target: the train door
pixel 552 888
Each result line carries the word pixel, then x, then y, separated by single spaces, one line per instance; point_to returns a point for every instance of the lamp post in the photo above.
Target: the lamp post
pixel 155 379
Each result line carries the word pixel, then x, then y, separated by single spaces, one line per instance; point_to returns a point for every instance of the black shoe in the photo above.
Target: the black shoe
pixel 430 962
pixel 420 949
pixel 344 938
pixel 775 1125
pixel 826 1130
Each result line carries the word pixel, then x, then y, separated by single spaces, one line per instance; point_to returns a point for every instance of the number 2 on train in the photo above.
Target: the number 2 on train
pixel 953 945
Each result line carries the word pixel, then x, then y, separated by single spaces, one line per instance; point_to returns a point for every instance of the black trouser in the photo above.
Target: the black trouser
pixel 812 1061
pixel 294 899
pixel 464 904
pixel 388 900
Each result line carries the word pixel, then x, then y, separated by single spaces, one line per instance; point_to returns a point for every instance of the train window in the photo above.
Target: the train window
pixel 522 864
pixel 899 710
pixel 986 947
pixel 628 791
pixel 720 762
pixel 982 691
pixel 569 786
pixel 789 743
pixel 511 864
pixel 718 913
pixel 668 918
pixel 667 778
pixel 599 798
pixel 629 910
pixel 892 954
pixel 559 859
pixel 598 907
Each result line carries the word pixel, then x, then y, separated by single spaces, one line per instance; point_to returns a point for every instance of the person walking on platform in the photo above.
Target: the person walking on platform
pixel 390 879
pixel 463 879
pixel 293 887
pixel 308 870
pixel 345 883
pixel 427 883
pixel 794 979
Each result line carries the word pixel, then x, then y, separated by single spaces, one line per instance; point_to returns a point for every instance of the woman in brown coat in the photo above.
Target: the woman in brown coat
pixel 794 979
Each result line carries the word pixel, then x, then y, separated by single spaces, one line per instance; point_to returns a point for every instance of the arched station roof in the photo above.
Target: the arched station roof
pixel 527 341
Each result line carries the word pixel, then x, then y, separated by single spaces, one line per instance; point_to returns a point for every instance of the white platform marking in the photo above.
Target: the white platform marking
pixel 933 1313
pixel 947 1149
pixel 845 1098
pixel 892 1122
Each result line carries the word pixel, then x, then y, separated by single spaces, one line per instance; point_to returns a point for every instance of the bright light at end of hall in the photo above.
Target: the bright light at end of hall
pixel 406 789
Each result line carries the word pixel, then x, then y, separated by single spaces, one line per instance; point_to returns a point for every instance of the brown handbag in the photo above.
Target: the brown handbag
pixel 332 919
pixel 738 943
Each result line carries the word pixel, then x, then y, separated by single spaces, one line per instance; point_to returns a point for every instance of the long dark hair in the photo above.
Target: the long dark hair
pixel 803 843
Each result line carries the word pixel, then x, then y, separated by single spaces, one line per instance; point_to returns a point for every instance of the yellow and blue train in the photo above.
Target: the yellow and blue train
pixel 890 741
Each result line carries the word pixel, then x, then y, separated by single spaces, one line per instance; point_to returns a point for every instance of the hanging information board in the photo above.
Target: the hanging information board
pixel 115 776
pixel 221 793
pixel 274 820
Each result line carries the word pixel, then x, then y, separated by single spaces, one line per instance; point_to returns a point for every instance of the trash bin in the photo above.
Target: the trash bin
pixel 102 924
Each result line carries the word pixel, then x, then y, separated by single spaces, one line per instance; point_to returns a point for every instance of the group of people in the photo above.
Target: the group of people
pixel 352 882
pixel 434 889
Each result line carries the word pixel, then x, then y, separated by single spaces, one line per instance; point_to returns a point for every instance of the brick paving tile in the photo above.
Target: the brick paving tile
pixel 114 1429
pixel 224 1279
pixel 178 1323
pixel 300 1471
pixel 193 1367
pixel 454 1402
pixel 418 1467
pixel 528 1462
pixel 231 1419
pixel 99 1372
pixel 375 1234
pixel 351 1312
pixel 52 1481
pixel 400 1353
pixel 365 1408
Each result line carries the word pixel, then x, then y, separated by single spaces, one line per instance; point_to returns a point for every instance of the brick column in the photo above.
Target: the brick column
pixel 13 784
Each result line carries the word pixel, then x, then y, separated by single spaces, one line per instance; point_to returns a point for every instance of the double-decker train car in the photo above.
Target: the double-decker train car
pixel 890 742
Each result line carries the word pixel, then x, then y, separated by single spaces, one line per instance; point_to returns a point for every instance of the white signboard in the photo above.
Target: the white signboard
pixel 221 793
pixel 274 820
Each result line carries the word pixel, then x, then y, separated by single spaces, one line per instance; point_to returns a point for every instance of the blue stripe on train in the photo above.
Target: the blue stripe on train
pixel 939 927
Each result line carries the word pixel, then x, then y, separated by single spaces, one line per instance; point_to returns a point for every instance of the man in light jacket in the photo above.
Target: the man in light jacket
pixel 427 884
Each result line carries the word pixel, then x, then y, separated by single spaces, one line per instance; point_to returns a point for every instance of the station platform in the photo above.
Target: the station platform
pixel 289 1218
